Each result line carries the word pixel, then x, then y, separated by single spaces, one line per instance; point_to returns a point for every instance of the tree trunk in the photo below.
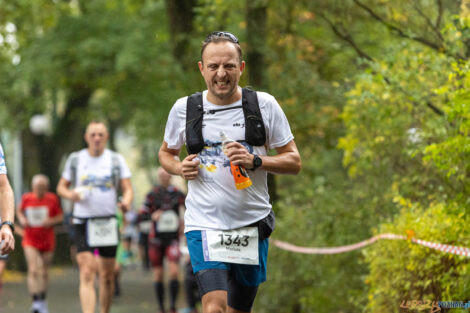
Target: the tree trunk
pixel 180 15
pixel 256 17
pixel 67 136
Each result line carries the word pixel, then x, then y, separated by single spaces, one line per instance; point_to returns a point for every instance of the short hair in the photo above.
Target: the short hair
pixel 220 36
pixel 97 121
pixel 38 177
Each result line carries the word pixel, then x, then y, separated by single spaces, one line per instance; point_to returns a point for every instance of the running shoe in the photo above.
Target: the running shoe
pixel 35 307
pixel 44 308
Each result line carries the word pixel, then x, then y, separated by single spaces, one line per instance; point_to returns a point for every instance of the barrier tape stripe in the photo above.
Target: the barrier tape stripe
pixel 463 251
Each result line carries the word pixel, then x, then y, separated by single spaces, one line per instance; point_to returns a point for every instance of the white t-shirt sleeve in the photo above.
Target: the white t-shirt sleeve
pixel 176 125
pixel 3 167
pixel 125 171
pixel 279 133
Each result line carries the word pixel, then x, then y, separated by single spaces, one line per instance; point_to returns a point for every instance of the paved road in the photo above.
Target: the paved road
pixel 137 293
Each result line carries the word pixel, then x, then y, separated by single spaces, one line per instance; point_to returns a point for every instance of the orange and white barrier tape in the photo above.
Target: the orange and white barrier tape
pixel 334 250
pixel 463 251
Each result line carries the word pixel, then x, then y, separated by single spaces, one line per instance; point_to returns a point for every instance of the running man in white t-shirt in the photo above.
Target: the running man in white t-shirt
pixel 227 229
pixel 7 210
pixel 96 174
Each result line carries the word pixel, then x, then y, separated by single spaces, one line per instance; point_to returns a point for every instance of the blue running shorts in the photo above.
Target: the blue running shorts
pixel 241 281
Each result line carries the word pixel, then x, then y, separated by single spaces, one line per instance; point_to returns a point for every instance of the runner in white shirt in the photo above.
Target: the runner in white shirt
pixel 7 210
pixel 227 229
pixel 96 173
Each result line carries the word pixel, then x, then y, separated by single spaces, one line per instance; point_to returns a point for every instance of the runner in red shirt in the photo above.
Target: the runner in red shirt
pixel 38 212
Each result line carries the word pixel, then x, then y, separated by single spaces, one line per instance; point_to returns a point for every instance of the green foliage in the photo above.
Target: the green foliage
pixel 407 118
pixel 405 137
pixel 451 152
pixel 406 271
pixel 376 92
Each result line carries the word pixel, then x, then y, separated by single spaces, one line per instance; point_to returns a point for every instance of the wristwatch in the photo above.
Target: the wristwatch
pixel 12 226
pixel 257 162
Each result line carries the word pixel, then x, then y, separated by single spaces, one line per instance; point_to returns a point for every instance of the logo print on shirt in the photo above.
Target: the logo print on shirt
pixel 241 125
pixel 104 183
pixel 212 156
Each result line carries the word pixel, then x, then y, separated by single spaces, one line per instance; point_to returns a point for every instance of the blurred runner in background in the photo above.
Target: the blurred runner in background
pixel 97 174
pixel 164 206
pixel 37 213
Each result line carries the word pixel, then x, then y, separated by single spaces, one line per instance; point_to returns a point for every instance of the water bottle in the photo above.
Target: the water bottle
pixel 239 173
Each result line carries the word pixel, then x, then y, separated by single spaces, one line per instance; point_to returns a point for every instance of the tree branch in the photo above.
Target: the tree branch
pixel 346 37
pixel 440 12
pixel 429 22
pixel 397 30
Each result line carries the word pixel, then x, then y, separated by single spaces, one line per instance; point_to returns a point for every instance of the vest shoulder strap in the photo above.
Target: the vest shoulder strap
pixel 194 115
pixel 73 168
pixel 115 170
pixel 255 133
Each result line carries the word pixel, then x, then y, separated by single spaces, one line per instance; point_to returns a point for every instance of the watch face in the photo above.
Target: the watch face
pixel 257 161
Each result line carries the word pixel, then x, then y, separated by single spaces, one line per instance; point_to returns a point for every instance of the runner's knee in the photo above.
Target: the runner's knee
pixel 107 277
pixel 87 273
pixel 215 302
pixel 34 271
pixel 214 307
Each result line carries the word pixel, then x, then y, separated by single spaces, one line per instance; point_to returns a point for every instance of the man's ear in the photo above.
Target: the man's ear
pixel 201 66
pixel 242 67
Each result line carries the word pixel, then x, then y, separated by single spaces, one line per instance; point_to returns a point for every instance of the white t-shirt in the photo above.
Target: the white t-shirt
pixel 94 178
pixel 3 167
pixel 213 202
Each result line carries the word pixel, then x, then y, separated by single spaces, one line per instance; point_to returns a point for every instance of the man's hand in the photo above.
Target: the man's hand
pixel 124 206
pixel 48 222
pixel 190 167
pixel 6 236
pixel 239 155
pixel 156 215
pixel 74 196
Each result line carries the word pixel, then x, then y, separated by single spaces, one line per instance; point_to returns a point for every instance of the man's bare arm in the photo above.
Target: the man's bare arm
pixel 169 159
pixel 7 213
pixel 64 191
pixel 127 193
pixel 7 200
pixel 286 161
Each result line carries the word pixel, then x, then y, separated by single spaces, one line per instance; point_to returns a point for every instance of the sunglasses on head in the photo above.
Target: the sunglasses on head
pixel 227 35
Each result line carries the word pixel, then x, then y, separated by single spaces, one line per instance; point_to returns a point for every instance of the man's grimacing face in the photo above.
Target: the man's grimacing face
pixel 221 69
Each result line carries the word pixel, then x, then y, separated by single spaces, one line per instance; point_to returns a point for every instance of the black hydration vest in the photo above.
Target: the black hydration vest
pixel 255 133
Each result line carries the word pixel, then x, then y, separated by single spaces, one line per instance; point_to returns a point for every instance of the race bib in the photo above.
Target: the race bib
pixel 36 216
pixel 102 232
pixel 233 246
pixel 144 226
pixel 168 222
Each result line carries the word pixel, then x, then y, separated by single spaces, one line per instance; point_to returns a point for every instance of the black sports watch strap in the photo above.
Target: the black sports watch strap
pixel 12 226
pixel 257 162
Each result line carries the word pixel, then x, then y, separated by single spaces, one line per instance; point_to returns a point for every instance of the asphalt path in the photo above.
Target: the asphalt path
pixel 136 285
